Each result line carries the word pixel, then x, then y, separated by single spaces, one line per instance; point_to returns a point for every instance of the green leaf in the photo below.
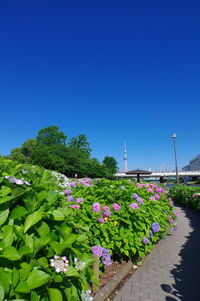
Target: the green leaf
pixel 4 280
pixel 18 212
pixel 52 197
pixel 58 216
pixel 5 190
pixel 43 229
pixel 32 219
pixel 2 294
pixel 55 294
pixel 34 296
pixel 10 253
pixel 15 277
pixel 37 278
pixel 22 288
pixel 43 262
pixel 71 271
pixel 8 236
pixel 3 216
pixel 17 192
pixel 24 250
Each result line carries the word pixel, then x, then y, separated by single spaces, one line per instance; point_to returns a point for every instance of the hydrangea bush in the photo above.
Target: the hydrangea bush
pixel 124 217
pixel 186 195
pixel 44 255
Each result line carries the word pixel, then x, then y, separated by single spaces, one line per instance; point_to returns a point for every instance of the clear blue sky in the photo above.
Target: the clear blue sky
pixel 113 70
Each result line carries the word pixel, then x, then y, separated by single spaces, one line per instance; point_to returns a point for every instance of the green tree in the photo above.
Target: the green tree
pixel 51 136
pixel 111 165
pixel 16 154
pixel 80 143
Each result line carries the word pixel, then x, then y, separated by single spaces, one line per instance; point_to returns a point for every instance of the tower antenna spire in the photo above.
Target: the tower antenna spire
pixel 125 158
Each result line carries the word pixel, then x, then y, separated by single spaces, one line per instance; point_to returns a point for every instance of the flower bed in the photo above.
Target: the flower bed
pixel 186 195
pixel 53 233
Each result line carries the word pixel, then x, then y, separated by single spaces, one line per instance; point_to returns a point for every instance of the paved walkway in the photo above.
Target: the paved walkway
pixel 172 271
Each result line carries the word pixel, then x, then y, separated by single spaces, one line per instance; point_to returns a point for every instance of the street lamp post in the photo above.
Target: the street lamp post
pixel 176 165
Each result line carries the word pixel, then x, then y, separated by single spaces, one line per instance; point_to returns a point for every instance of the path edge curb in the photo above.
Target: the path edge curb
pixel 106 290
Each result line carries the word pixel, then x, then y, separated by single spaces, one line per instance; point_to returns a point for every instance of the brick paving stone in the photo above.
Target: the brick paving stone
pixel 171 271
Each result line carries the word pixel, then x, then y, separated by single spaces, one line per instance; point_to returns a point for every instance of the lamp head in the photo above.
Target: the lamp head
pixel 173 135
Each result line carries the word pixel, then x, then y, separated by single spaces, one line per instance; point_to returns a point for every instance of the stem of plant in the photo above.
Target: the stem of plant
pixel 95 288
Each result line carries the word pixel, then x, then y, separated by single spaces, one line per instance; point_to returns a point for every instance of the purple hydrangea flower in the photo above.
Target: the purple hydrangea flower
pixel 140 200
pixel 79 200
pixel 106 213
pixel 68 191
pixel 135 195
pixel 70 198
pixel 134 205
pixel 152 198
pixel 72 184
pixel 155 227
pixel 150 235
pixel 145 240
pixel 116 207
pixel 105 208
pixel 97 250
pixel 101 220
pixel 96 207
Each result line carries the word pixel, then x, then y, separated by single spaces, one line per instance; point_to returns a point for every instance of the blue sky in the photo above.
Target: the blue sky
pixel 114 70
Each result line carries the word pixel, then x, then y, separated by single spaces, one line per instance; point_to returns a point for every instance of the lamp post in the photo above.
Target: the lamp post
pixel 176 165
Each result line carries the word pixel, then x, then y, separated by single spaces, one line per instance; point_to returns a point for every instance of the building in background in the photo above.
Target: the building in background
pixel 194 164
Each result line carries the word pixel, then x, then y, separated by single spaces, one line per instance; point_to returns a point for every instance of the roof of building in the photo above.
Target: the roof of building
pixel 139 171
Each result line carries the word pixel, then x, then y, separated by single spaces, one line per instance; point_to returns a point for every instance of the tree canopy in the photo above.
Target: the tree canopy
pixel 49 149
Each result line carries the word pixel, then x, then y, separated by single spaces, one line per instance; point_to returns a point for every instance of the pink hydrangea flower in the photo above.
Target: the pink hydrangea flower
pixel 96 207
pixel 68 191
pixel 156 196
pixel 152 198
pixel 116 207
pixel 150 190
pixel 75 206
pixel 101 220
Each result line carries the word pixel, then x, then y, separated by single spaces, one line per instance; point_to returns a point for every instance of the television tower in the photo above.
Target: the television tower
pixel 125 158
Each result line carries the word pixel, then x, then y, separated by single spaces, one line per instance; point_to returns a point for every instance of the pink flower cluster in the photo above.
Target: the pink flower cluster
pixel 116 207
pixel 75 206
pixel 59 263
pixel 86 182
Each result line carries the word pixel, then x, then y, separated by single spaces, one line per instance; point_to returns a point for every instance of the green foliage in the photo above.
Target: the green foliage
pixel 34 226
pixel 51 136
pixel 186 195
pixel 80 143
pixel 111 165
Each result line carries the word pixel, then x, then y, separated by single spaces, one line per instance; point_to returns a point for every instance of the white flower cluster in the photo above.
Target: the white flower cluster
pixel 59 263
pixel 16 181
pixel 79 265
pixel 62 180
pixel 85 296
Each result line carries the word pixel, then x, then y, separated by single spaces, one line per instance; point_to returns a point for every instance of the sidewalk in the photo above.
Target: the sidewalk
pixel 172 271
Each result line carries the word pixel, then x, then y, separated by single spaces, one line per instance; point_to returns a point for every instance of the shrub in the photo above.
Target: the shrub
pixel 186 195
pixel 40 251
pixel 120 214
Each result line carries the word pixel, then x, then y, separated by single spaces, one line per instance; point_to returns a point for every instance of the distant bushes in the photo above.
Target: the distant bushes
pixel 186 195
